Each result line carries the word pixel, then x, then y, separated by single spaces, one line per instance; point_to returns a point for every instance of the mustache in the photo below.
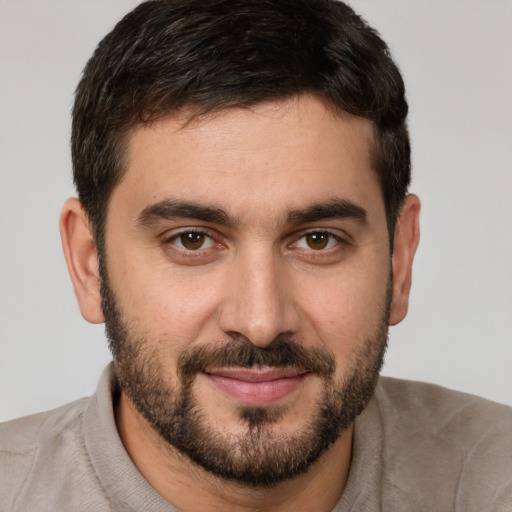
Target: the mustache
pixel 241 352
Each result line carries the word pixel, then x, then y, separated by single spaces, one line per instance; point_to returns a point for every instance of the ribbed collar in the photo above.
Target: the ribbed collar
pixel 126 488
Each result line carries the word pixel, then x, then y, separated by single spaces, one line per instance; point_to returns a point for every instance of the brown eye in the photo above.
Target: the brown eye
pixel 193 240
pixel 317 241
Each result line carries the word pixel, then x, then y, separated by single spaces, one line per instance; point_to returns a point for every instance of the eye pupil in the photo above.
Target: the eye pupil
pixel 317 240
pixel 192 240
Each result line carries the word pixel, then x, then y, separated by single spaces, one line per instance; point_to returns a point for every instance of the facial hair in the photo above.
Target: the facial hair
pixel 260 456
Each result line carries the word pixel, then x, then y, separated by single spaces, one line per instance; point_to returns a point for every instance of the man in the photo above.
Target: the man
pixel 243 228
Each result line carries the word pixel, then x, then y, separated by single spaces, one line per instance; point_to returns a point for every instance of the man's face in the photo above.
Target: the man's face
pixel 246 283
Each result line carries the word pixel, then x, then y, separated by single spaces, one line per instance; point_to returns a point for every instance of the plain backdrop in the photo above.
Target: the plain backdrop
pixel 456 60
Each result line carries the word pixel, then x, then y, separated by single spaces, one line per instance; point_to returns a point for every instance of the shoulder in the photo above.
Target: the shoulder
pixel 25 433
pixel 37 447
pixel 432 414
pixel 437 403
pixel 456 445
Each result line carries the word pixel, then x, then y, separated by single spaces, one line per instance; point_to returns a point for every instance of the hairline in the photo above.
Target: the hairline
pixel 204 113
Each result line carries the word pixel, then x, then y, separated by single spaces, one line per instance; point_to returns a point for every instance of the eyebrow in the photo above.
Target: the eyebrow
pixel 332 209
pixel 173 208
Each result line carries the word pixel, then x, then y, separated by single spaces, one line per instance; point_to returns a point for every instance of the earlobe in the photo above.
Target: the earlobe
pixel 82 259
pixel 406 239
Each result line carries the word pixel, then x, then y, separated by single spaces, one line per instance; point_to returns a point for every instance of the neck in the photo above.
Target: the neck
pixel 190 488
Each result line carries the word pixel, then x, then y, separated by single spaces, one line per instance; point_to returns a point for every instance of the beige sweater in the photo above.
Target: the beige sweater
pixel 417 447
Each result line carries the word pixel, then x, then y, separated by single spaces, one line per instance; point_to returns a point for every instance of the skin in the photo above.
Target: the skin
pixel 257 276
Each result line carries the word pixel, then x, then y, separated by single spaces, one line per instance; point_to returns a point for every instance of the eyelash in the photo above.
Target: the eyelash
pixel 189 252
pixel 340 242
pixel 334 244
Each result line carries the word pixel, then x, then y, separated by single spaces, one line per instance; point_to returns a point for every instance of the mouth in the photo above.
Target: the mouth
pixel 257 387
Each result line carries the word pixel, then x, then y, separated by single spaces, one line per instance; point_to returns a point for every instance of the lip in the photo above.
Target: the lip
pixel 256 387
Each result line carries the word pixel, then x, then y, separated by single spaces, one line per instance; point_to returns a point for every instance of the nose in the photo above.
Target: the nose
pixel 258 300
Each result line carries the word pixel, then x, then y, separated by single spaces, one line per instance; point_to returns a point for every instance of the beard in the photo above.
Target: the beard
pixel 258 454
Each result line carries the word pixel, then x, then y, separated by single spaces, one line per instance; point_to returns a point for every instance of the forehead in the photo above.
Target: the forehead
pixel 280 154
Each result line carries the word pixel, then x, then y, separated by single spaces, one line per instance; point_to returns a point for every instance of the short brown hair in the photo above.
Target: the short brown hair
pixel 214 54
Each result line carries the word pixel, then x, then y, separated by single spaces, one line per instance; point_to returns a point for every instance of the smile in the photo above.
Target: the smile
pixel 257 387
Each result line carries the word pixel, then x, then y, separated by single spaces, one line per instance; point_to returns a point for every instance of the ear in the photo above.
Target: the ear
pixel 82 259
pixel 407 237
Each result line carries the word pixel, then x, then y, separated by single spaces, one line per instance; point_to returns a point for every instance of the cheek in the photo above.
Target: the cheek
pixel 345 310
pixel 164 302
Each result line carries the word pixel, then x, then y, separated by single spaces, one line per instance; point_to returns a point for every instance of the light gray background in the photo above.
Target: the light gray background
pixel 456 59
